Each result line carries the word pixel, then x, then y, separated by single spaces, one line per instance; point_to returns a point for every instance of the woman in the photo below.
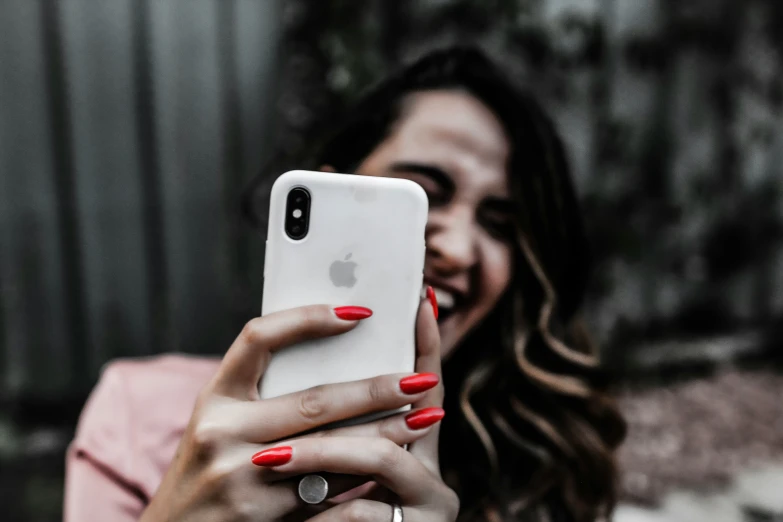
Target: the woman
pixel 530 432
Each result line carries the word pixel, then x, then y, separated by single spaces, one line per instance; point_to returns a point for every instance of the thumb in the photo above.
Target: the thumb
pixel 428 360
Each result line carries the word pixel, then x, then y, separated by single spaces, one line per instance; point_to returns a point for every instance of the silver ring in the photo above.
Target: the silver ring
pixel 396 513
pixel 313 489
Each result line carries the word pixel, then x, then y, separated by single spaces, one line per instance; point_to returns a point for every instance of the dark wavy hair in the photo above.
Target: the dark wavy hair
pixel 535 413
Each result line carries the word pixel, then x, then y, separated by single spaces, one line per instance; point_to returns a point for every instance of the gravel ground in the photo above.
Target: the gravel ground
pixel 707 450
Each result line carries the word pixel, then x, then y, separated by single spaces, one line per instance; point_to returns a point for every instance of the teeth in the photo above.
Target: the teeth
pixel 445 298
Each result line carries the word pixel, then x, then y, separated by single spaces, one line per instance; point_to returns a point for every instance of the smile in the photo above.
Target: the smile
pixel 446 301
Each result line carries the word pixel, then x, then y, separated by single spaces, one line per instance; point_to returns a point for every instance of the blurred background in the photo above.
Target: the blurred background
pixel 128 129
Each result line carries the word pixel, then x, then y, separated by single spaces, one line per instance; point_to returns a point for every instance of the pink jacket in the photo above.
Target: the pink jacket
pixel 127 435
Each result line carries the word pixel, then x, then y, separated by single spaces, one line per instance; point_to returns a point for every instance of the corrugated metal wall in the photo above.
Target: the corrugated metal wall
pixel 127 129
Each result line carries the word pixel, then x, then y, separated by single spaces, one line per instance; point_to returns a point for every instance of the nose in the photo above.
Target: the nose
pixel 451 241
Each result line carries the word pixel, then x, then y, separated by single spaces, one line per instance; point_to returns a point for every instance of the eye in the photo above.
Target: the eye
pixel 436 192
pixel 436 197
pixel 500 223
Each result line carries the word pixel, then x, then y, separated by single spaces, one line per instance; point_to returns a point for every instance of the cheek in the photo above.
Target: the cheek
pixel 496 271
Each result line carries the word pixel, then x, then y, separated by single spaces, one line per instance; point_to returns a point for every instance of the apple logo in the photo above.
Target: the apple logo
pixel 342 273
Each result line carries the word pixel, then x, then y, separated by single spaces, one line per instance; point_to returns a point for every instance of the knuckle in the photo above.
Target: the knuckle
pixel 391 429
pixel 358 511
pixel 312 404
pixel 385 429
pixel 244 510
pixel 375 389
pixel 206 438
pixel 389 454
pixel 216 478
pixel 308 315
pixel 254 332
pixel 316 453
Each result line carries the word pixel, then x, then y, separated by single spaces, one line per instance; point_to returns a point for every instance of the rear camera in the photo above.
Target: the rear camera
pixel 297 213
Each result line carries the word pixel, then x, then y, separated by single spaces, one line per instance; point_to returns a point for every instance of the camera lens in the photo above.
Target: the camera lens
pixel 297 216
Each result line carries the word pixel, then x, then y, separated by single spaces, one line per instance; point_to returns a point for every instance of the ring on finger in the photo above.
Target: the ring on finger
pixel 313 489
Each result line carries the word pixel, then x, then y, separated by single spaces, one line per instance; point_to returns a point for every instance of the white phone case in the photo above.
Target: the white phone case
pixel 377 225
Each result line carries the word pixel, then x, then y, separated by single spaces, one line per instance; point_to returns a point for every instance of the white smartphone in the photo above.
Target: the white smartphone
pixel 345 239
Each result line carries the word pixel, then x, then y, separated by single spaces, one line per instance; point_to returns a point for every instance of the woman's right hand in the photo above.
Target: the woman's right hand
pixel 212 478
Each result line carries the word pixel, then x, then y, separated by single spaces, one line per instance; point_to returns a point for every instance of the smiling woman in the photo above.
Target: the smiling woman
pixel 508 260
pixel 530 431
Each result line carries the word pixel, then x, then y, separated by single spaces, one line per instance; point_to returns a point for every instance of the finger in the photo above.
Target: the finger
pixel 428 359
pixel 428 355
pixel 279 417
pixel 400 429
pixel 358 510
pixel 387 463
pixel 248 357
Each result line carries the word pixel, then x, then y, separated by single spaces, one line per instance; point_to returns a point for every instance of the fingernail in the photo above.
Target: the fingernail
pixel 418 420
pixel 273 456
pixel 352 313
pixel 418 383
pixel 433 300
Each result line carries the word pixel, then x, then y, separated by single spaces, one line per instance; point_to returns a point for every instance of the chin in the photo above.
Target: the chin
pixel 455 328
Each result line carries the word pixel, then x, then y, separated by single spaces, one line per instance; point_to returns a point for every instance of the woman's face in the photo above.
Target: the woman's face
pixel 456 149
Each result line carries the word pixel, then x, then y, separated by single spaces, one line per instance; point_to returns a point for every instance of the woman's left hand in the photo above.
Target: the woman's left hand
pixel 412 476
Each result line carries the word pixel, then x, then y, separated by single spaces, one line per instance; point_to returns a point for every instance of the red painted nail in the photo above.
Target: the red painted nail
pixel 273 456
pixel 433 300
pixel 352 313
pixel 418 383
pixel 418 420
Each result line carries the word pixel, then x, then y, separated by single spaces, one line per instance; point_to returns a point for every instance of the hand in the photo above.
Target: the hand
pixel 212 477
pixel 411 478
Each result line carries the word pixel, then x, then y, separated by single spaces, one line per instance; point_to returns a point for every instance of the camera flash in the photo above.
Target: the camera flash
pixel 297 213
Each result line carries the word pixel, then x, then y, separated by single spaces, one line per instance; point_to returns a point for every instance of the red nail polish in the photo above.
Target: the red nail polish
pixel 433 300
pixel 352 313
pixel 418 420
pixel 418 383
pixel 273 456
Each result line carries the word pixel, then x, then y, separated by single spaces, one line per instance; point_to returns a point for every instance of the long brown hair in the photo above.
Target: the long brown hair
pixel 535 414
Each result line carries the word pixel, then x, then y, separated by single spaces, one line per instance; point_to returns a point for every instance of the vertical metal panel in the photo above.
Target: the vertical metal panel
pixel 189 124
pixel 257 33
pixel 232 160
pixel 35 336
pixel 63 176
pixel 127 130
pixel 149 175
pixel 98 51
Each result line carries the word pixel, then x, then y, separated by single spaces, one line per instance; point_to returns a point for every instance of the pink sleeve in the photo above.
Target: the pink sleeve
pixel 93 494
pixel 101 483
